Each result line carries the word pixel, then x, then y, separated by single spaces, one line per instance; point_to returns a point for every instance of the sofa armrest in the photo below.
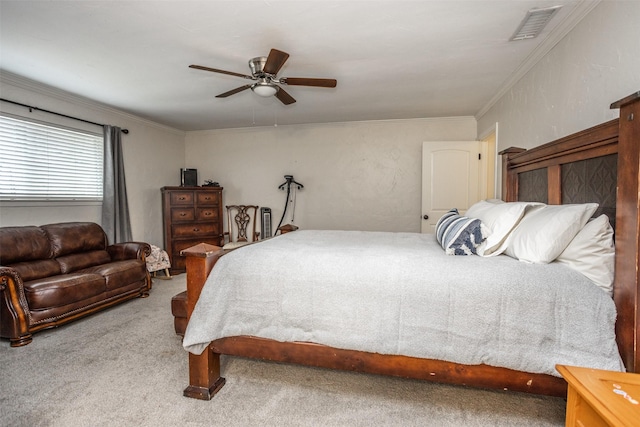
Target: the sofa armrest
pixel 129 250
pixel 14 310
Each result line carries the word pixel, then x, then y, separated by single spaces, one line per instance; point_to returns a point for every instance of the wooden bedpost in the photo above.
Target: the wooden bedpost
pixel 627 272
pixel 204 369
pixel 509 180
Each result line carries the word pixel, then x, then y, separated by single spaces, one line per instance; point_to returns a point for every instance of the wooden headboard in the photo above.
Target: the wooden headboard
pixel 600 164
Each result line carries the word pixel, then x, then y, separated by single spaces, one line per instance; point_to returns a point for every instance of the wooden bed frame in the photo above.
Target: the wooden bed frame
pixel 620 136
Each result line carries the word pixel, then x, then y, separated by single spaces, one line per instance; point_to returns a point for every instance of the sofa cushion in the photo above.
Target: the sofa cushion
pixel 32 270
pixel 19 244
pixel 120 273
pixel 179 311
pixel 179 305
pixel 45 315
pixel 73 237
pixel 75 262
pixel 62 290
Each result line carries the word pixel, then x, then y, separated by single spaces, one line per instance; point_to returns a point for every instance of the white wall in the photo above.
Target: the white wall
pixel 572 87
pixel 153 154
pixel 358 176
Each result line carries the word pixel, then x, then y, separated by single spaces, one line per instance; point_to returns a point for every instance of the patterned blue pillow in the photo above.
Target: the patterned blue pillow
pixel 459 235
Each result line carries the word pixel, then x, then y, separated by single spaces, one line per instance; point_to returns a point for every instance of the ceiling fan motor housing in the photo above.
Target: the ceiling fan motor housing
pixel 257 65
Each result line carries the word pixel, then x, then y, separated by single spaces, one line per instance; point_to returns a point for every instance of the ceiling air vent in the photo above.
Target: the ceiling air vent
pixel 534 22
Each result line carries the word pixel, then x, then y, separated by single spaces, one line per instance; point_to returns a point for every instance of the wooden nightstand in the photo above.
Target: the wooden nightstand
pixel 601 398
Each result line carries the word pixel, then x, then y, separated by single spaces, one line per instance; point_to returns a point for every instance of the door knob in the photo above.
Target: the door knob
pixel 425 217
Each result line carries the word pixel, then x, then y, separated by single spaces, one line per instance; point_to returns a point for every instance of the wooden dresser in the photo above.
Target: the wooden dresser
pixel 191 215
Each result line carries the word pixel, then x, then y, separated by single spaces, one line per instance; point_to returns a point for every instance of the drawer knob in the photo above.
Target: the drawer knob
pixel 196 229
pixel 183 214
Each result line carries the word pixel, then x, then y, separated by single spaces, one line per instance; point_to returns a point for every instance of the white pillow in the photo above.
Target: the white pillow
pixel 543 234
pixel 592 253
pixel 500 218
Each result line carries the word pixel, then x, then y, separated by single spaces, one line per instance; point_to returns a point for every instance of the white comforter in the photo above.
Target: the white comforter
pixel 398 293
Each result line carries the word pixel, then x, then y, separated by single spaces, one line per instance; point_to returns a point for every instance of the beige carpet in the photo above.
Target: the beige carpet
pixel 126 367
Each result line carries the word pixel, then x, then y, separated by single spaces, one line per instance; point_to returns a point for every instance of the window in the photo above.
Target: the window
pixel 44 162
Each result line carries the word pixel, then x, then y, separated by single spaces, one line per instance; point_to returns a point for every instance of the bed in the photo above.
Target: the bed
pixel 545 174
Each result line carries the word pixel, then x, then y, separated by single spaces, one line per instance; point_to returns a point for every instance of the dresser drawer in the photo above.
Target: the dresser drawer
pixel 208 199
pixel 182 198
pixel 182 214
pixel 178 261
pixel 194 230
pixel 207 214
pixel 181 244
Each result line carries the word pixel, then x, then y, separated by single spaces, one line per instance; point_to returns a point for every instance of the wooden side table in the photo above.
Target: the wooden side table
pixel 601 398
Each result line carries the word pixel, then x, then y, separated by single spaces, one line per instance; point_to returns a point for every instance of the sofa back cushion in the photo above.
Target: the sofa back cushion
pixel 75 262
pixel 32 270
pixel 75 237
pixel 19 244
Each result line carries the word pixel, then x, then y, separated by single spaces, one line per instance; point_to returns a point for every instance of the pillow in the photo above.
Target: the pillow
pixel 459 235
pixel 544 233
pixel 500 218
pixel 592 253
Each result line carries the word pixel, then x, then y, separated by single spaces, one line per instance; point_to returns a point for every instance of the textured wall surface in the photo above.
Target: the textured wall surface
pixel 572 87
pixel 357 176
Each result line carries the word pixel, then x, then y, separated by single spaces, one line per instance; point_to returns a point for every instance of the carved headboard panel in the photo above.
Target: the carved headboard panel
pixel 533 186
pixel 568 170
pixel 592 180
pixel 582 181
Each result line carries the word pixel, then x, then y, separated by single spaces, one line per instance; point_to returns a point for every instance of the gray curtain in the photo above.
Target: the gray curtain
pixel 115 208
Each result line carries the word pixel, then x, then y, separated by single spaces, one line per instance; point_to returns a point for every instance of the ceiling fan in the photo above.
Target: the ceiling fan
pixel 264 71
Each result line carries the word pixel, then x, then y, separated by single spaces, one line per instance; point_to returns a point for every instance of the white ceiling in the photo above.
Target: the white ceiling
pixel 392 59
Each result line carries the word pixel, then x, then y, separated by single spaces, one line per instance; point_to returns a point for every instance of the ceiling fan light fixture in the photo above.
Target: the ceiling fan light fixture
pixel 264 89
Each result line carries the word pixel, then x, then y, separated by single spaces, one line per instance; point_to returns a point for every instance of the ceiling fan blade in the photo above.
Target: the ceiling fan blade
pixel 284 97
pixel 233 91
pixel 303 81
pixel 215 70
pixel 275 61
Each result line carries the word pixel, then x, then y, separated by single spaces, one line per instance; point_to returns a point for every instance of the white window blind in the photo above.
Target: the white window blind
pixel 46 162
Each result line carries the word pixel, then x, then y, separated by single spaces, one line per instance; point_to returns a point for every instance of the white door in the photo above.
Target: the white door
pixel 450 178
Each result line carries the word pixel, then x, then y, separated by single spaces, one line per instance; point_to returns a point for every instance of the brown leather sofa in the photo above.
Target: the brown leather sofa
pixel 53 274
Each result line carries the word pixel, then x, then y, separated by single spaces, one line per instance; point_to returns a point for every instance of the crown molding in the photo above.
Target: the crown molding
pixel 50 91
pixel 581 10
